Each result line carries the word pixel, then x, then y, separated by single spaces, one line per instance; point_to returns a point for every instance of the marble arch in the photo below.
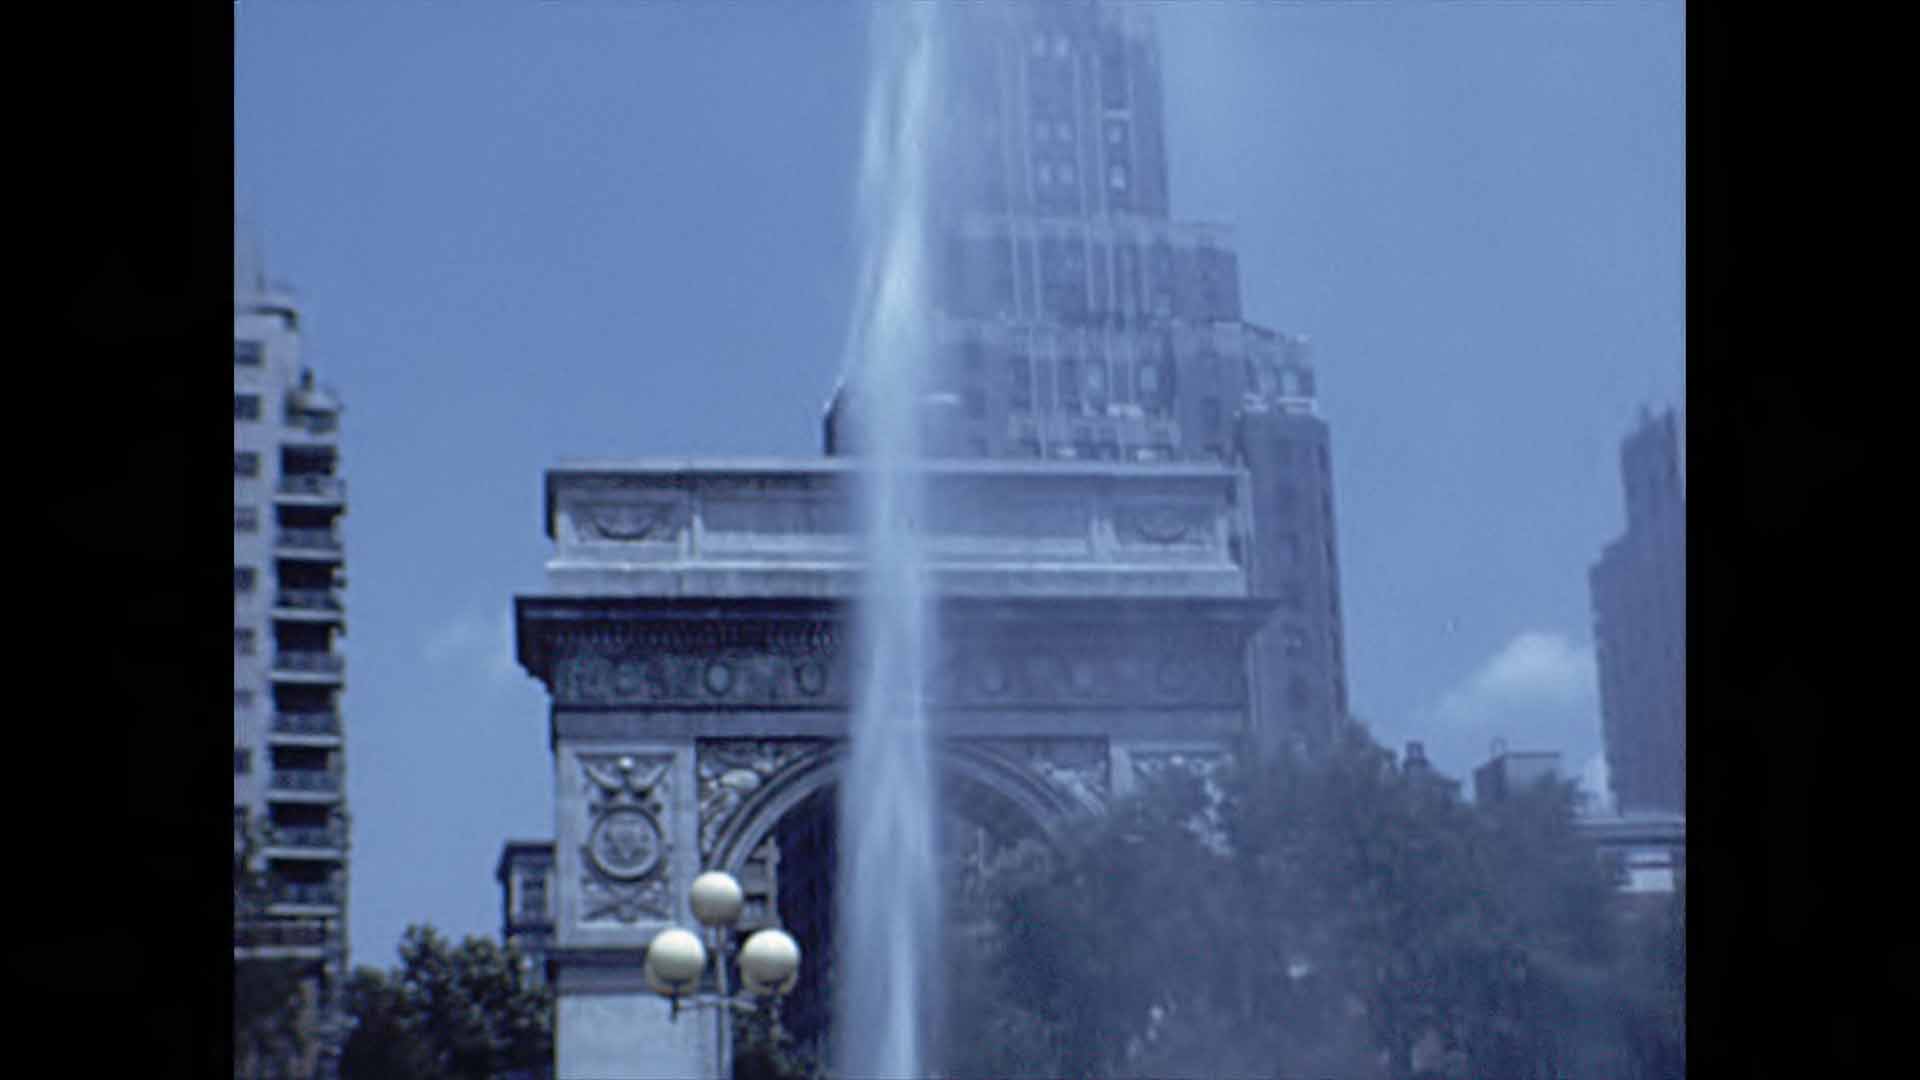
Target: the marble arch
pixel 1093 625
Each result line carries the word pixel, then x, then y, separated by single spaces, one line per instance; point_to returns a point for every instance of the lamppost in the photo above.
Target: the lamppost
pixel 677 959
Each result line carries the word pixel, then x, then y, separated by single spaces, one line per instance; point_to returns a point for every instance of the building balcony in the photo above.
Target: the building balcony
pixel 274 938
pixel 321 728
pixel 304 785
pixel 312 841
pixel 319 425
pixel 313 488
pixel 299 666
pixel 319 544
pixel 314 896
pixel 308 605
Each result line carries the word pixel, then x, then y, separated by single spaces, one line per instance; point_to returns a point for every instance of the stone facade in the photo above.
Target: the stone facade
pixel 1094 627
pixel 289 610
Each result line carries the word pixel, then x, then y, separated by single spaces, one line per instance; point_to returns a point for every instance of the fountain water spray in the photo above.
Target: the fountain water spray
pixel 888 929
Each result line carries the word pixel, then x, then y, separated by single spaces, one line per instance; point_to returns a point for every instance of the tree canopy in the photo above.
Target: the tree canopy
pixel 446 1012
pixel 271 995
pixel 1345 917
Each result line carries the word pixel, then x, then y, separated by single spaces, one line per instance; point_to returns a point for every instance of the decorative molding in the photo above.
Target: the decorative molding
pixel 627 522
pixel 623 872
pixel 710 663
pixel 1076 767
pixel 730 770
pixel 1203 763
pixel 1165 524
pixel 1196 667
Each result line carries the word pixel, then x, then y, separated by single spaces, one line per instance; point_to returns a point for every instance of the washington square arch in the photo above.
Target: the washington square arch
pixel 1094 623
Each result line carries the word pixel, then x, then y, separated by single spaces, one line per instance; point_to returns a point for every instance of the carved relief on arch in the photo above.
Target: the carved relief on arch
pixel 1075 768
pixel 774 662
pixel 624 859
pixel 731 771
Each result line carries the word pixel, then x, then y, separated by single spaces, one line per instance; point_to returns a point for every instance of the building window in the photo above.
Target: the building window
pixel 1298 696
pixel 242 698
pixel 1210 418
pixel 244 578
pixel 1286 499
pixel 243 640
pixel 246 406
pixel 246 354
pixel 242 761
pixel 246 519
pixel 1293 596
pixel 533 895
pixel 1020 376
pixel 1295 641
pixel 246 463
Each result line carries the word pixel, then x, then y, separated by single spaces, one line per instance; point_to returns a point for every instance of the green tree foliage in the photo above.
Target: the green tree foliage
pixel 1346 917
pixel 270 994
pixel 466 1012
pixel 763 1049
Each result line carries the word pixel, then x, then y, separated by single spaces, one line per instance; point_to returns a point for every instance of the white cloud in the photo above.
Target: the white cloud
pixel 1536 671
pixel 477 642
pixel 1537 692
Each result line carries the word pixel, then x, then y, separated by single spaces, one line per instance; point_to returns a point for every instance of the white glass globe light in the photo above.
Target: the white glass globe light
pixel 675 959
pixel 716 899
pixel 770 962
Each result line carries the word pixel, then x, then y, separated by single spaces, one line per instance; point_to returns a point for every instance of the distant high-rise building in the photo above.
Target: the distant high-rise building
pixel 1509 772
pixel 525 874
pixel 1639 588
pixel 288 558
pixel 1075 320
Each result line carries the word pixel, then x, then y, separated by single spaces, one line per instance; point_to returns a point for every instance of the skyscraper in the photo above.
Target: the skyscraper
pixel 1076 320
pixel 1639 589
pixel 288 558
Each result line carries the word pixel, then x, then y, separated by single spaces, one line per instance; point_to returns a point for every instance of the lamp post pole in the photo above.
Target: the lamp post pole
pixel 676 960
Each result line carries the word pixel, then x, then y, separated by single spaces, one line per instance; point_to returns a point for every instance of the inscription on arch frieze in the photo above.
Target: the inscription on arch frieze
pixel 1195 669
pixel 720 663
pixel 623 860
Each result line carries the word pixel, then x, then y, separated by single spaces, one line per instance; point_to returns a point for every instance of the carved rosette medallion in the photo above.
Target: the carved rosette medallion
pixel 625 844
pixel 731 770
pixel 623 875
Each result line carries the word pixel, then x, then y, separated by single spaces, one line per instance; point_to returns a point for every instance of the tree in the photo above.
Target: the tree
pixel 271 995
pixel 1344 916
pixel 452 1013
pixel 763 1049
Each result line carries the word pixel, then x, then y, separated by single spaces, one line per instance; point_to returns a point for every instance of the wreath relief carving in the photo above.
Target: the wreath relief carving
pixel 623 868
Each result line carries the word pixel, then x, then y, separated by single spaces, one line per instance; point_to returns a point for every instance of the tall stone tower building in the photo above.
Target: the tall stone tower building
pixel 1077 321
pixel 1639 588
pixel 288 560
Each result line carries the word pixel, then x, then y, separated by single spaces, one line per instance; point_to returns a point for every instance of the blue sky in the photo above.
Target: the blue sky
pixel 524 231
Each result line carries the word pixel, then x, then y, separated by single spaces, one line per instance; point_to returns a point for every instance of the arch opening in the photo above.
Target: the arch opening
pixel 994 820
